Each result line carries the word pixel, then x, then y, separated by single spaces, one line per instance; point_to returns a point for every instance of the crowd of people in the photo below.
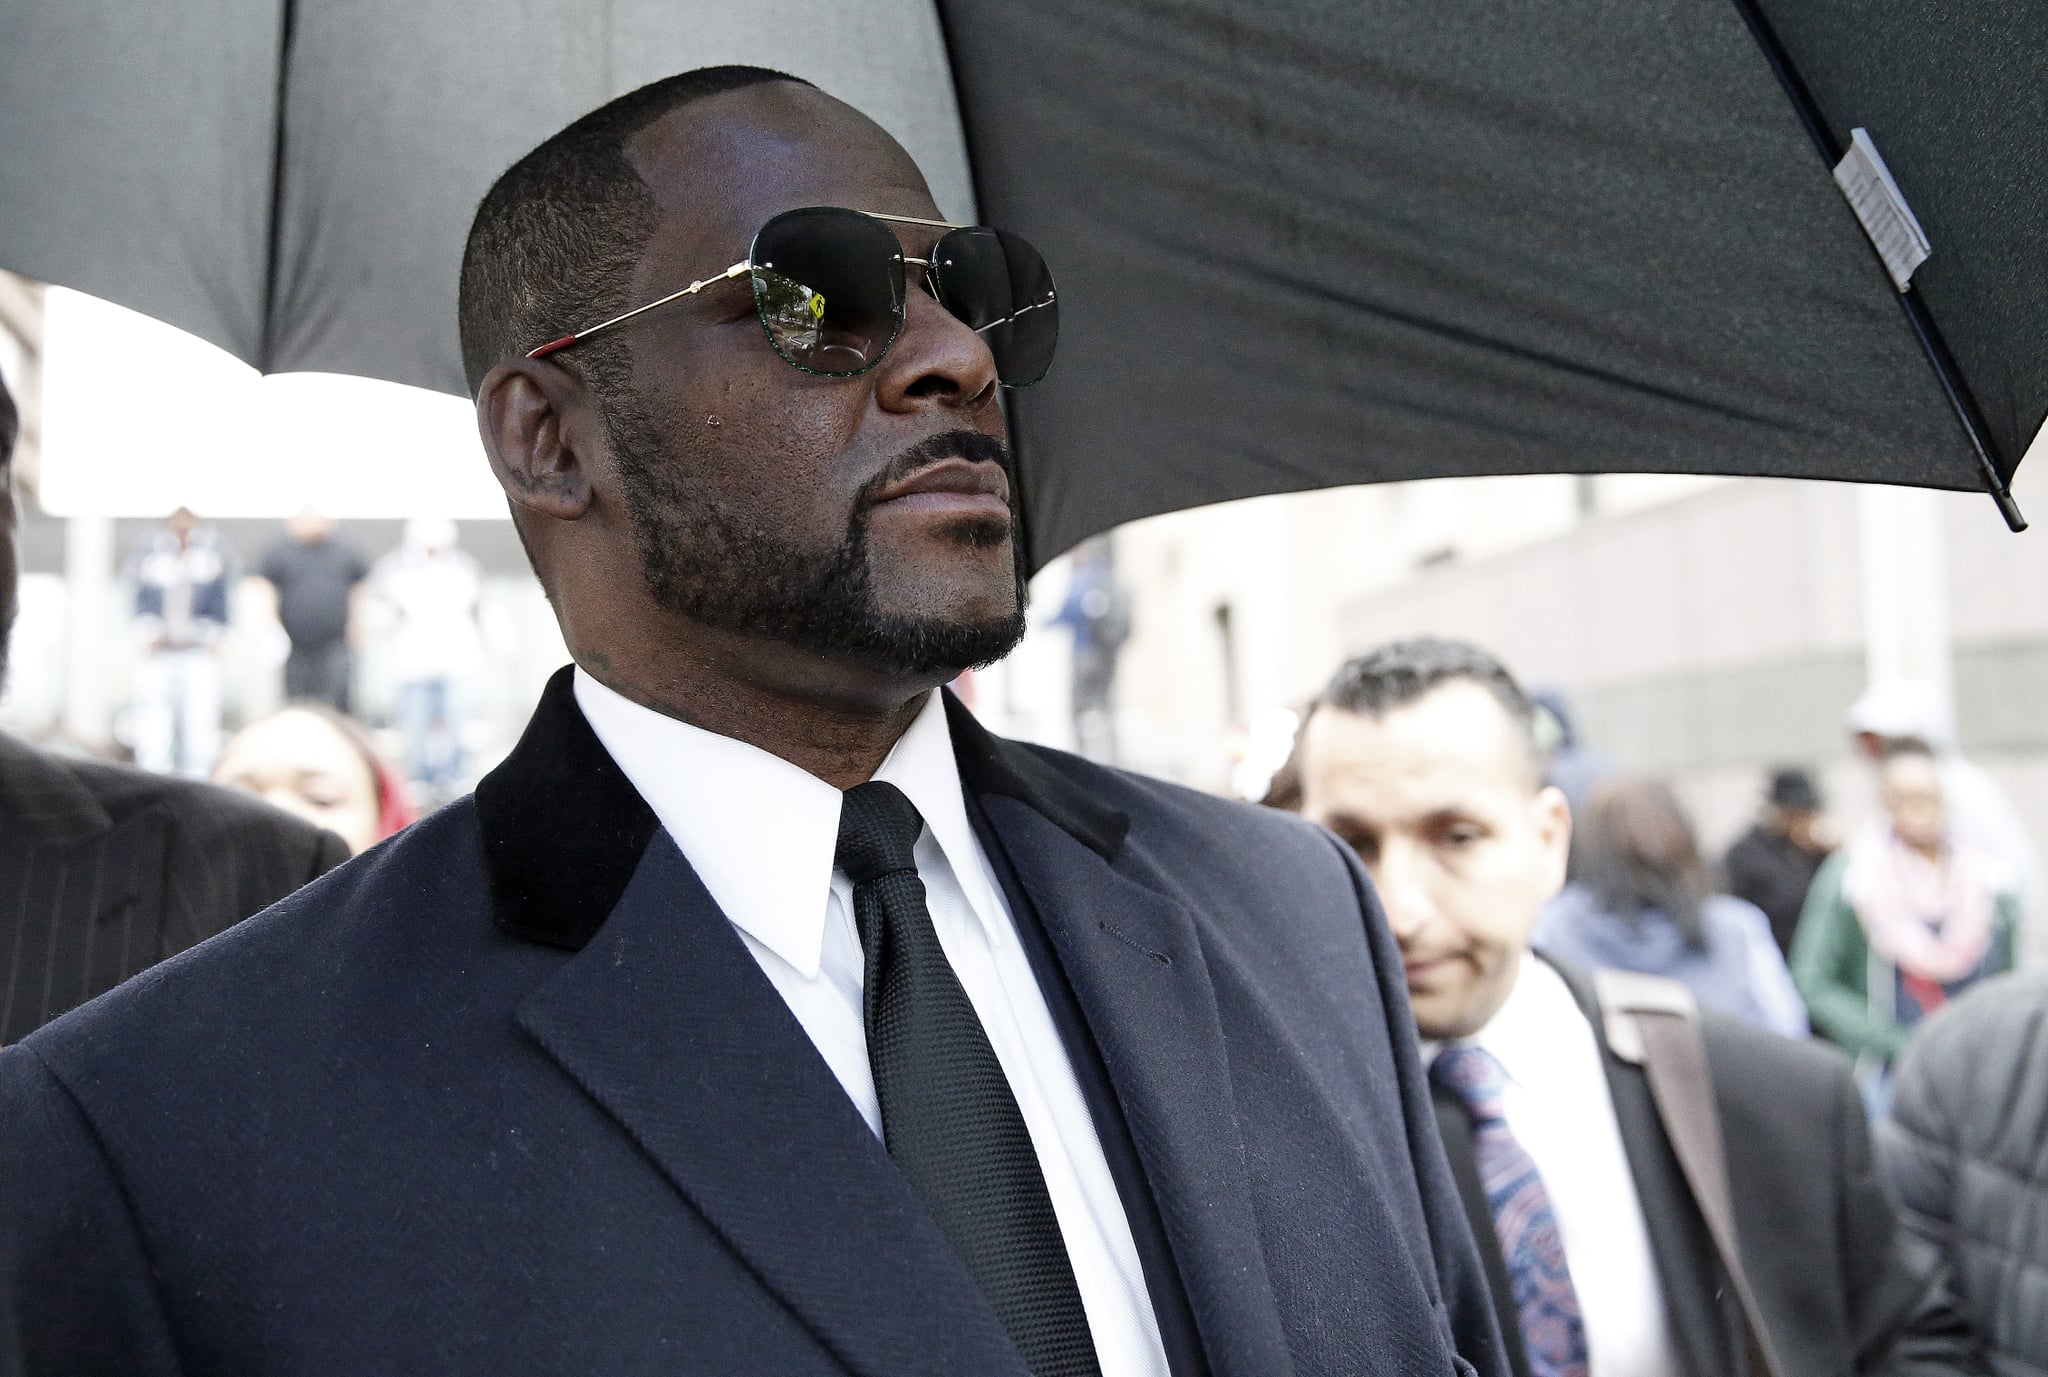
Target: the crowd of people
pixel 1860 939
pixel 418 602
pixel 763 1012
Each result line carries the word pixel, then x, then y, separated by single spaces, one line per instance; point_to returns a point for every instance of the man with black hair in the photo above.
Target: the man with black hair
pixel 1772 865
pixel 762 1013
pixel 105 871
pixel 1421 756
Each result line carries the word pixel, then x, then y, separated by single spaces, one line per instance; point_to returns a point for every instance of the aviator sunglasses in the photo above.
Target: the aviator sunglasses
pixel 829 287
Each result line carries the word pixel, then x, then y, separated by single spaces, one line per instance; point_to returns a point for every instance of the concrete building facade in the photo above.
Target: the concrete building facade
pixel 1704 629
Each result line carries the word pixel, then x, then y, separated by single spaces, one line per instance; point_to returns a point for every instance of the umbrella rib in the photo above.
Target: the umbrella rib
pixel 1954 386
pixel 273 264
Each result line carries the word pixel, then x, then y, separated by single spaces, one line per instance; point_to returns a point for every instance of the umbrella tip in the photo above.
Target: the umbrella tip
pixel 2008 508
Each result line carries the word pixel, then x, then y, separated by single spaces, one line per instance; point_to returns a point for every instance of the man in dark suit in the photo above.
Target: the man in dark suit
pixel 105 871
pixel 1420 755
pixel 762 1013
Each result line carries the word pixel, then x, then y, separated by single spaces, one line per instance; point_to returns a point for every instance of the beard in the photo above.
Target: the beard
pixel 704 562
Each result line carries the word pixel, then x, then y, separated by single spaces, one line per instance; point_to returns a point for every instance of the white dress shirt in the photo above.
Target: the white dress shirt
pixel 1560 1110
pixel 761 832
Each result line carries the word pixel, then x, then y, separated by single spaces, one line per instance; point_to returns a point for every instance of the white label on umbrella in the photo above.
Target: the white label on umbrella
pixel 1882 208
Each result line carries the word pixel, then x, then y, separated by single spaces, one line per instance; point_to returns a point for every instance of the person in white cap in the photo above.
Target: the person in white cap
pixel 1895 710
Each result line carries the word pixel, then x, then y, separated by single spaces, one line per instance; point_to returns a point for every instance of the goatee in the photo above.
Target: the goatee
pixel 703 563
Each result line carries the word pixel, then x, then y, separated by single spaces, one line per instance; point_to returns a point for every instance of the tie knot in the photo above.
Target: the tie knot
pixel 878 828
pixel 1476 1077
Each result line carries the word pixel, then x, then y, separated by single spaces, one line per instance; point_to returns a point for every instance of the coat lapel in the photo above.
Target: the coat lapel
pixel 1687 1268
pixel 668 1023
pixel 1139 976
pixel 1141 980
pixel 665 1020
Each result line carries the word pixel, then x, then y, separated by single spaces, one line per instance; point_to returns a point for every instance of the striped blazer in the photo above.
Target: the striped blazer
pixel 105 871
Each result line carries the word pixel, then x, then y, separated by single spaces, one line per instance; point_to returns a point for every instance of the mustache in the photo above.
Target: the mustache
pixel 976 447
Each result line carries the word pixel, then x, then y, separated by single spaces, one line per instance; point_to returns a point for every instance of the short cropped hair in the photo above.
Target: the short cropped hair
pixel 555 240
pixel 1400 673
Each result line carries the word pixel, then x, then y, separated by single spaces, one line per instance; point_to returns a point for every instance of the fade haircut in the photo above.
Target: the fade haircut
pixel 1402 672
pixel 555 240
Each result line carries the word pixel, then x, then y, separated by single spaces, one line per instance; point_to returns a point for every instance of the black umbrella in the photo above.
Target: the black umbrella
pixel 292 179
pixel 1304 244
pixel 1299 244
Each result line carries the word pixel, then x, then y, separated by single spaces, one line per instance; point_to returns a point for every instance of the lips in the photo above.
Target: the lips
pixel 952 487
pixel 1419 970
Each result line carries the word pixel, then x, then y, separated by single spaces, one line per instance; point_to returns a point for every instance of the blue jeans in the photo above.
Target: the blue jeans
pixel 433 745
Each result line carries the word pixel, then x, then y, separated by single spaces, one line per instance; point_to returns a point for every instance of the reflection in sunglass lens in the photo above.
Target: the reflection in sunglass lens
pixel 1001 288
pixel 829 287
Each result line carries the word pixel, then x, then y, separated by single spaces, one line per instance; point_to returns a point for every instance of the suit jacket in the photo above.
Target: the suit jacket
pixel 105 871
pixel 508 1094
pixel 1819 1240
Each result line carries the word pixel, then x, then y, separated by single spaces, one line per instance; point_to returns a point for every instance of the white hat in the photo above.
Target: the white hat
pixel 1893 708
pixel 429 533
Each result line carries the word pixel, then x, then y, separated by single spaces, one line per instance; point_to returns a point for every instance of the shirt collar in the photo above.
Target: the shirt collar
pixel 1531 1029
pixel 762 838
pixel 922 764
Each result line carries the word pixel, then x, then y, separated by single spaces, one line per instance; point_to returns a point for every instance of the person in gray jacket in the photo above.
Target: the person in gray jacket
pixel 1966 1153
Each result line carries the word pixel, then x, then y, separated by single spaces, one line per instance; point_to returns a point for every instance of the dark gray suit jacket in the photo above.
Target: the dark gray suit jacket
pixel 507 1094
pixel 1819 1239
pixel 105 871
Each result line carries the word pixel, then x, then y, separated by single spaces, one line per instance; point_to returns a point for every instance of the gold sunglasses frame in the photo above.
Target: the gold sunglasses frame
pixel 745 265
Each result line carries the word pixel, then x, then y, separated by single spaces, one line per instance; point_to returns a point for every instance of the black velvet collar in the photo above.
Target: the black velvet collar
pixel 563 828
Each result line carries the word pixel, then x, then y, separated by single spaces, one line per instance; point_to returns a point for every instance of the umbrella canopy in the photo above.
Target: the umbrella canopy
pixel 1305 244
pixel 1298 244
pixel 293 181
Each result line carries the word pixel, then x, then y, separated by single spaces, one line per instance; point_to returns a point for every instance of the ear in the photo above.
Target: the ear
pixel 538 422
pixel 1553 817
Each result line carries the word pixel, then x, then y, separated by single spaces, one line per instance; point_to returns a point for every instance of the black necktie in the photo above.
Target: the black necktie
pixel 948 1117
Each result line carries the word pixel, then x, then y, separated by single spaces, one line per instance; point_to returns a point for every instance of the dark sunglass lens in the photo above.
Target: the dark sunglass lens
pixel 829 287
pixel 1001 288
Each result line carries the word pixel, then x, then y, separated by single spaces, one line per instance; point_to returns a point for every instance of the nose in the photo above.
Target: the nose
pixel 936 362
pixel 1397 874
